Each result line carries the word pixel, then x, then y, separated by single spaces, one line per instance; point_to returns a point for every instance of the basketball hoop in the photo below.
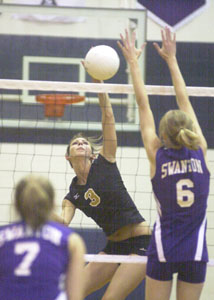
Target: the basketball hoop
pixel 55 103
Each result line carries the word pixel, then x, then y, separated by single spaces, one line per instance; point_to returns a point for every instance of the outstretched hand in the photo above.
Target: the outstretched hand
pixel 168 49
pixel 128 48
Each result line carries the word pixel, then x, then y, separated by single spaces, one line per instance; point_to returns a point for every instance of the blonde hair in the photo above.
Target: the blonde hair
pixel 179 128
pixel 34 200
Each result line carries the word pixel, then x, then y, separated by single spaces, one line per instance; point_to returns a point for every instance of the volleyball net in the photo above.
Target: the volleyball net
pixel 35 143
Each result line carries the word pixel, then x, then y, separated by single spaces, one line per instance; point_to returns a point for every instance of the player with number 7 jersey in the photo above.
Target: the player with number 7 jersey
pixel 30 260
pixel 39 259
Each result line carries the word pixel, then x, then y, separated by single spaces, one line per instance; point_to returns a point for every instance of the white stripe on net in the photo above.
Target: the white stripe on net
pixel 132 259
pixel 98 88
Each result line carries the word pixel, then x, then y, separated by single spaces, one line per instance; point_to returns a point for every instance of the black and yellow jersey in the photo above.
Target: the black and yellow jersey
pixel 104 197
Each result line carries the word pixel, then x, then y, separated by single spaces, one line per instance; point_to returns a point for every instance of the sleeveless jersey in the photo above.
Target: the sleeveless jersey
pixel 181 188
pixel 33 264
pixel 104 198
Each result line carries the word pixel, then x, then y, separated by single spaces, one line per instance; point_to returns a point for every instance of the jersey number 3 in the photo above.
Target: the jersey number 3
pixel 30 251
pixel 185 197
pixel 94 198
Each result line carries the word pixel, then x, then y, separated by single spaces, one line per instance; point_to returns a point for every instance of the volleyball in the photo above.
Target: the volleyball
pixel 102 62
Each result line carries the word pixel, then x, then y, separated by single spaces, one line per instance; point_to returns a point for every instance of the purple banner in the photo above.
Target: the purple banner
pixel 173 12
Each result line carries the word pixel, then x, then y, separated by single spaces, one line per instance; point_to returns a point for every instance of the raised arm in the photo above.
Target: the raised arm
pixel 147 124
pixel 109 147
pixel 168 53
pixel 108 127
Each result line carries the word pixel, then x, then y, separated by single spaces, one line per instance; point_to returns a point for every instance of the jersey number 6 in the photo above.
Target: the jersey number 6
pixel 185 197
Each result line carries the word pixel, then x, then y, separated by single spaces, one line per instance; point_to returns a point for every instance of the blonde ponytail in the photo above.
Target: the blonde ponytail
pixel 178 127
pixel 187 138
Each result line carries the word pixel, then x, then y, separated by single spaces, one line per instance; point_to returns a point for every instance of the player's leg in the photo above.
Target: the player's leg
pixel 159 280
pixel 191 277
pixel 158 289
pixel 97 275
pixel 126 278
pixel 187 291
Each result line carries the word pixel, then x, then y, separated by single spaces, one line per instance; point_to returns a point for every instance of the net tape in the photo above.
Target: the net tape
pixel 133 259
pixel 59 86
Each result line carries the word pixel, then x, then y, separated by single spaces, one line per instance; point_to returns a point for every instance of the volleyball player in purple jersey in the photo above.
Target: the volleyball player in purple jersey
pixel 180 181
pixel 98 190
pixel 39 259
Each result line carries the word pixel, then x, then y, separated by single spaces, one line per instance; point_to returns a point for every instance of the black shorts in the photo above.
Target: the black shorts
pixel 189 271
pixel 135 245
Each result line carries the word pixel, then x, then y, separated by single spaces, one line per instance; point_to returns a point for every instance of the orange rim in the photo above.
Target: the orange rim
pixel 59 98
pixel 55 103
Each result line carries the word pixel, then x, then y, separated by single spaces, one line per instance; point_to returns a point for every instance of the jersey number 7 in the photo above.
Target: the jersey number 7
pixel 30 251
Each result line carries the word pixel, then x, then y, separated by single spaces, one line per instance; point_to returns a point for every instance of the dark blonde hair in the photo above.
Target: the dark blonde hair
pixel 34 200
pixel 95 142
pixel 179 128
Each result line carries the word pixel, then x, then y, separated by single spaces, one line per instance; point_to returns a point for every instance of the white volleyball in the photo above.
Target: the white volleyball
pixel 102 62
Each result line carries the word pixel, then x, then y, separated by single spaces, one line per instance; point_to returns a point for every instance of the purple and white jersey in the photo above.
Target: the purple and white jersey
pixel 33 264
pixel 181 188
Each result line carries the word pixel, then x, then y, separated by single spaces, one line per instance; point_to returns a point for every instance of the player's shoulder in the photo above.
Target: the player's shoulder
pixel 11 225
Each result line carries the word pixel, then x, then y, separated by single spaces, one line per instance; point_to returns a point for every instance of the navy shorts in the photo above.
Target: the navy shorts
pixel 189 271
pixel 135 245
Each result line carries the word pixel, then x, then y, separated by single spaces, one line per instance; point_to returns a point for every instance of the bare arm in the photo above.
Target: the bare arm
pixel 147 124
pixel 109 147
pixel 168 53
pixel 75 275
pixel 108 128
pixel 67 214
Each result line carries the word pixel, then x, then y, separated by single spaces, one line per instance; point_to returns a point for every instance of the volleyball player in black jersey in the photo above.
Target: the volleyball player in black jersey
pixel 98 191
